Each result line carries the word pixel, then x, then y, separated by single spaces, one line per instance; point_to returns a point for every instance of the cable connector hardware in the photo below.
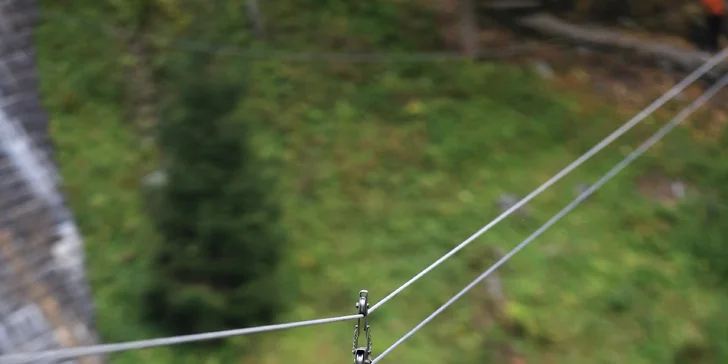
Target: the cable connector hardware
pixel 362 355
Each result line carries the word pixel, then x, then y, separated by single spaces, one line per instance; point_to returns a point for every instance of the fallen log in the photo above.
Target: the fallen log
pixel 603 39
pixel 513 4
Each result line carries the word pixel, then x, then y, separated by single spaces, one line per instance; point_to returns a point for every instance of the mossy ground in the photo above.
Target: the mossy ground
pixel 382 169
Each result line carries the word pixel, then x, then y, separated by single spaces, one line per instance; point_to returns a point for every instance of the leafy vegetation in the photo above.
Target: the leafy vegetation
pixel 384 168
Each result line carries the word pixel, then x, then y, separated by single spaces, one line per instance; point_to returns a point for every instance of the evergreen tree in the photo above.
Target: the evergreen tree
pixel 216 267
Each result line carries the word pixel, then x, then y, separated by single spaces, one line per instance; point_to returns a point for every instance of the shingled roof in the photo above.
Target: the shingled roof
pixel 44 297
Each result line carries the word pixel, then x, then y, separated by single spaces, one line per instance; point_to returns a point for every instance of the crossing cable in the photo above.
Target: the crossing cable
pixel 187 45
pixel 684 113
pixel 70 353
pixel 670 94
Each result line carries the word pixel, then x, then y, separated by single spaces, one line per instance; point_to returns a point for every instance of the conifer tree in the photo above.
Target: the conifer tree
pixel 216 267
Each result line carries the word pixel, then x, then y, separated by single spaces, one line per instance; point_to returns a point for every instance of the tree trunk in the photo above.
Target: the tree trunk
pixel 651 51
pixel 255 18
pixel 141 87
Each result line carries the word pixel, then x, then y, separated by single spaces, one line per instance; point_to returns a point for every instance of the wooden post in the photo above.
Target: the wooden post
pixel 468 28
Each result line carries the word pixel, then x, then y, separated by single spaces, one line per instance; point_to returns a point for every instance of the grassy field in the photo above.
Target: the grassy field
pixel 382 169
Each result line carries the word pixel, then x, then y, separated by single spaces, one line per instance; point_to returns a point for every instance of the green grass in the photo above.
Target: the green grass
pixel 383 169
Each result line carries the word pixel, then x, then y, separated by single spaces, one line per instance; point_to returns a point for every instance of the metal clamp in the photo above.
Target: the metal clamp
pixel 362 355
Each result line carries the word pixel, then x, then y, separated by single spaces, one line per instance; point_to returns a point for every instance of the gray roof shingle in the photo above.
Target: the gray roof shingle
pixel 45 301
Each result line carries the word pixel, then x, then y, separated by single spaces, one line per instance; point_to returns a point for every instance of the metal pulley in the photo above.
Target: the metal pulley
pixel 362 355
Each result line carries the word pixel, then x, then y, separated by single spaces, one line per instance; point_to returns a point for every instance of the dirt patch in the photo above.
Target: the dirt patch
pixel 662 189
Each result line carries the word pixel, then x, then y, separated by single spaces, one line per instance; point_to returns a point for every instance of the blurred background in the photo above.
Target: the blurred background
pixel 198 165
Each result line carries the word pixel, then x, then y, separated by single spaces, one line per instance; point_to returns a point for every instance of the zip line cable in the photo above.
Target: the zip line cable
pixel 684 113
pixel 70 353
pixel 670 94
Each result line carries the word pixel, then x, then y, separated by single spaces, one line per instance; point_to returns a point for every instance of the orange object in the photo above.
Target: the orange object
pixel 715 7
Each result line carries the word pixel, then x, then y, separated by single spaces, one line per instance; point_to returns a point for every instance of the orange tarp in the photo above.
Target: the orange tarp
pixel 716 7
